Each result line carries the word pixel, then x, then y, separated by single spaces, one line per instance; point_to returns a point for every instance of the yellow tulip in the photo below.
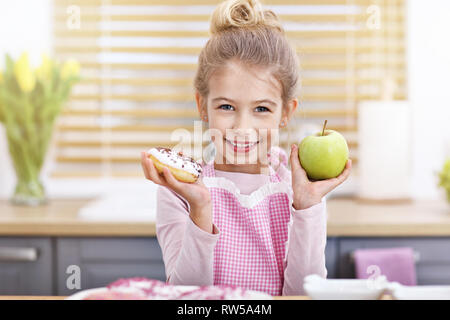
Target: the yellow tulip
pixel 44 72
pixel 24 75
pixel 70 69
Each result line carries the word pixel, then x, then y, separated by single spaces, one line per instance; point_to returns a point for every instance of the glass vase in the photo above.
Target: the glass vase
pixel 29 193
pixel 27 154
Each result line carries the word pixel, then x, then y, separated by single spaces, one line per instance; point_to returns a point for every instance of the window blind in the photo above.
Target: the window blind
pixel 139 58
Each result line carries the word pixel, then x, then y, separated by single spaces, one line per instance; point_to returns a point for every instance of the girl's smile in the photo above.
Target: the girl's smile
pixel 242 146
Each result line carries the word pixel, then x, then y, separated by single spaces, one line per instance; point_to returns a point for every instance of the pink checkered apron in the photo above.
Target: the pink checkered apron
pixel 251 248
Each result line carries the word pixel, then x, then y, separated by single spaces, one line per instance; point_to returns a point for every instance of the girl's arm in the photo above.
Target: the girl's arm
pixel 305 248
pixel 184 227
pixel 305 252
pixel 187 249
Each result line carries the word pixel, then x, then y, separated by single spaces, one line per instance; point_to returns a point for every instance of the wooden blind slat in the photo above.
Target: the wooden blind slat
pixel 196 33
pixel 61 17
pixel 319 64
pixel 187 97
pixel 133 144
pixel 360 48
pixel 187 82
pixel 93 159
pixel 211 2
pixel 192 113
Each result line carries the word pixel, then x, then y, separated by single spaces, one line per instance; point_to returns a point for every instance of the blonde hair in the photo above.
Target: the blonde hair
pixel 241 29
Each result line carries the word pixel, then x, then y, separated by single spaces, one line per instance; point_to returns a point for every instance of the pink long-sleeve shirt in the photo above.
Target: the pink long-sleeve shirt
pixel 188 250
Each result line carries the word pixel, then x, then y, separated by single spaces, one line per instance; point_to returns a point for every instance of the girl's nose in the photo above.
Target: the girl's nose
pixel 242 123
pixel 244 134
pixel 244 131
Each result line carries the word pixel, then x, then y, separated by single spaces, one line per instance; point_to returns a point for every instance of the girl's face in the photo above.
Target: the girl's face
pixel 244 112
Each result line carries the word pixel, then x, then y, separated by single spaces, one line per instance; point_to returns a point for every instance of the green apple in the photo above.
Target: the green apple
pixel 323 155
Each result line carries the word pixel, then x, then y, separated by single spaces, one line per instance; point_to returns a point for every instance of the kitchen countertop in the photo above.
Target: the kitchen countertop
pixel 32 298
pixel 346 217
pixel 60 218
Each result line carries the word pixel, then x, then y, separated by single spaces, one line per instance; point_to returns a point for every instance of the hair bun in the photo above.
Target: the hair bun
pixel 244 14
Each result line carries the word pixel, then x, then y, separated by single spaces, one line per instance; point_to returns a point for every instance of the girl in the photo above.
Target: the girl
pixel 244 222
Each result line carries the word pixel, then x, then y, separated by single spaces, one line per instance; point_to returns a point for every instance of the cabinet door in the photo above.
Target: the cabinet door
pixel 331 255
pixel 100 261
pixel 433 253
pixel 26 266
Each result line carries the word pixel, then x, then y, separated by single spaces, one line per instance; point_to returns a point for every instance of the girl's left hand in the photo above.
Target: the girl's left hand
pixel 308 193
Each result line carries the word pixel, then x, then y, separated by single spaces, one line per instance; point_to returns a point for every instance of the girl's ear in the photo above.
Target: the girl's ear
pixel 289 110
pixel 200 103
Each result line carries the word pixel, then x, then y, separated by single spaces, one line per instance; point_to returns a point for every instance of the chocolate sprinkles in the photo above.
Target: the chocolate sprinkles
pixel 175 157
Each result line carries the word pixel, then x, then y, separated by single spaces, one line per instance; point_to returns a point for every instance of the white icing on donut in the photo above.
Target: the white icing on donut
pixel 174 160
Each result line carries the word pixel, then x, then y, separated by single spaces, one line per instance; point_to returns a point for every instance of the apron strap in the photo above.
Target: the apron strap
pixel 274 177
pixel 208 169
pixel 277 157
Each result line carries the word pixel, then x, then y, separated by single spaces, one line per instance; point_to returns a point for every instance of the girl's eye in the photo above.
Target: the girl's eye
pixel 262 109
pixel 226 107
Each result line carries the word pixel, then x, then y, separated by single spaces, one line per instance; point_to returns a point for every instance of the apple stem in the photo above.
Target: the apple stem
pixel 324 125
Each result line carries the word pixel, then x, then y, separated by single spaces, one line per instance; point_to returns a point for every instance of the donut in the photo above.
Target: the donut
pixel 183 168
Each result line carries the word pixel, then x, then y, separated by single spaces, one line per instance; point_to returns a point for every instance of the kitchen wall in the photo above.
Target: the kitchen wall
pixel 26 24
pixel 429 91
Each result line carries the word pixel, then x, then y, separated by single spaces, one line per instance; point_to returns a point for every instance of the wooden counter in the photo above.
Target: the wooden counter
pixel 32 298
pixel 346 217
pixel 60 218
pixel 353 218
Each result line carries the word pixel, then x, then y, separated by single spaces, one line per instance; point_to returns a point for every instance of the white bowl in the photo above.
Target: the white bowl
pixel 319 288
pixel 400 292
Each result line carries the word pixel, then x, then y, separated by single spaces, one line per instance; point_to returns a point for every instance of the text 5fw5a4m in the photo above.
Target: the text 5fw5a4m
pixel 246 309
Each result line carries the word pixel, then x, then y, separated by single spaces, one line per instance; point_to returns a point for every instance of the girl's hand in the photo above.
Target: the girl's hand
pixel 308 193
pixel 195 193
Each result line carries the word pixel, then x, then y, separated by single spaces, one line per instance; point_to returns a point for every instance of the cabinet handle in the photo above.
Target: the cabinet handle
pixel 17 254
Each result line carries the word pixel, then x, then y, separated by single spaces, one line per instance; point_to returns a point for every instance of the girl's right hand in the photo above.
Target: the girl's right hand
pixel 197 194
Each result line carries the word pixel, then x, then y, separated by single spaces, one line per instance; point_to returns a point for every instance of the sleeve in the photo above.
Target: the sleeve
pixel 305 253
pixel 187 250
pixel 305 248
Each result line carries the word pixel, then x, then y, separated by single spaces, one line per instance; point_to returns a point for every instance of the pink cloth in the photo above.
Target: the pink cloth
pixel 397 264
pixel 282 245
pixel 250 252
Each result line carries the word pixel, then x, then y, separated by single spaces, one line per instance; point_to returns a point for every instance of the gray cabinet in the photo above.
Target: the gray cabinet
pixel 101 261
pixel 26 266
pixel 331 256
pixel 47 266
pixel 104 260
pixel 432 265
